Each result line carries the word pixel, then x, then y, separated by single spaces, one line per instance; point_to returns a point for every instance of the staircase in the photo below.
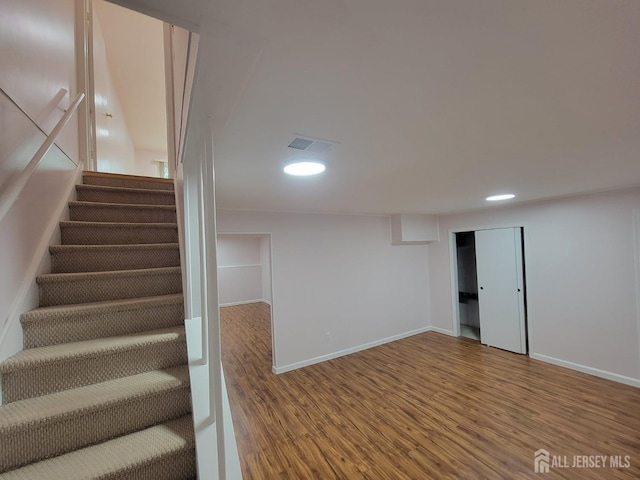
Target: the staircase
pixel 101 389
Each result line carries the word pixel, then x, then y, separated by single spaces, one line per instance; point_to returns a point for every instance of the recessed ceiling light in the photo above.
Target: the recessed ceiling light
pixel 504 196
pixel 304 168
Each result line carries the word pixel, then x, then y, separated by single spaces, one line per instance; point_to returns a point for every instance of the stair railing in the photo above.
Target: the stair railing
pixel 51 106
pixel 9 195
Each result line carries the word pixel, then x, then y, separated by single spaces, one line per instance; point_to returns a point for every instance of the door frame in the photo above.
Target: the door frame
pixel 268 235
pixel 85 77
pixel 453 268
pixel 84 83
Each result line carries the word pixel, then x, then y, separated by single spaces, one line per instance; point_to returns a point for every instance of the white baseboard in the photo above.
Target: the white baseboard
pixel 634 382
pixel 244 302
pixel 544 358
pixel 342 353
pixel 441 330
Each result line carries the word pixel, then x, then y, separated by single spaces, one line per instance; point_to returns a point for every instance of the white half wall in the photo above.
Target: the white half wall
pixel 580 274
pixel 338 284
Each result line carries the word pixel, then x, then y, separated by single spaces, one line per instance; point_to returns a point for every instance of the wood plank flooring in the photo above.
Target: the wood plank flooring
pixel 426 407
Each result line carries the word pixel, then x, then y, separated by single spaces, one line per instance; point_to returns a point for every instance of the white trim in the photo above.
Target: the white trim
pixel 636 238
pixel 526 245
pixel 341 353
pixel 91 91
pixel 634 382
pixel 444 331
pixel 172 152
pixel 242 302
pixel 83 30
pixel 453 268
pixel 253 265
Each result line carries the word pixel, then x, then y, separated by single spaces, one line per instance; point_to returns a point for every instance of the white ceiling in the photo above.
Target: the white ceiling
pixel 435 104
pixel 135 52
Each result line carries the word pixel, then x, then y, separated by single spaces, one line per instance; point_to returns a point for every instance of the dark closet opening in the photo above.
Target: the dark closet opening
pixel 468 285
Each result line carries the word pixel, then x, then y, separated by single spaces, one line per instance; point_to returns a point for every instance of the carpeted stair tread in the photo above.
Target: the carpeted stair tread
pixel 68 351
pixel 60 422
pixel 44 370
pixel 121 212
pixel 161 452
pixel 117 233
pixel 74 323
pixel 93 258
pixel 126 181
pixel 106 194
pixel 102 388
pixel 85 287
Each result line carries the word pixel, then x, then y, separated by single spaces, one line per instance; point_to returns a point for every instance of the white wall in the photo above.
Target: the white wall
pixel 236 250
pixel 240 271
pixel 114 146
pixel 580 273
pixel 38 59
pixel 338 284
pixel 145 161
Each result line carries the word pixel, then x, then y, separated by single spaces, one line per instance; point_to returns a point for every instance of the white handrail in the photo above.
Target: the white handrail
pixel 51 106
pixel 11 193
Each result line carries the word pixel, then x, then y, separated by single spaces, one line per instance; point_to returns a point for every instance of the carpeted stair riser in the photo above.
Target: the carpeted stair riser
pixel 102 258
pixel 162 452
pixel 35 429
pixel 95 193
pixel 40 372
pixel 73 288
pixel 127 182
pixel 102 387
pixel 98 233
pixel 75 323
pixel 121 212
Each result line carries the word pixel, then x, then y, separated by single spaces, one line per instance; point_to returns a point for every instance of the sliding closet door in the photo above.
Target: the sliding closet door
pixel 501 291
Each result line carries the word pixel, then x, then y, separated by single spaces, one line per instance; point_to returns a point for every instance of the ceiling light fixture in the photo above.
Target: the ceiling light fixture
pixel 497 198
pixel 304 168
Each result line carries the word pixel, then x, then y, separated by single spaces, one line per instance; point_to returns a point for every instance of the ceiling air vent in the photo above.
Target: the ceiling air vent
pixel 311 145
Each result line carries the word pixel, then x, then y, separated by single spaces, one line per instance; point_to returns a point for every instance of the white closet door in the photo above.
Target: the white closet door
pixel 500 288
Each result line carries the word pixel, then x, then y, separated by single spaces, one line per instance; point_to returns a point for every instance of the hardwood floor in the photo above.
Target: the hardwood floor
pixel 426 407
